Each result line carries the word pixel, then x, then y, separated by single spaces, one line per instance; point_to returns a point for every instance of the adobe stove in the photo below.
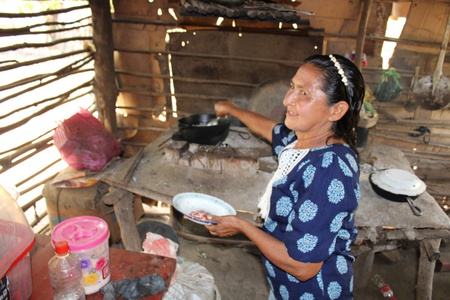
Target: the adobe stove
pixel 240 153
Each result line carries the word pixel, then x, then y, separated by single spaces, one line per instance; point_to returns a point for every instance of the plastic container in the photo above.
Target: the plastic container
pixel 65 274
pixel 88 238
pixel 16 240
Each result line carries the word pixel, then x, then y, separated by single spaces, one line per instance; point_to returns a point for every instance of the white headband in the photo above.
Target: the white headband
pixel 339 68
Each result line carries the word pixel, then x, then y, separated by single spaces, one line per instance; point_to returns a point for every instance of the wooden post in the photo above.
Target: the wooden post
pixel 123 203
pixel 125 217
pixel 105 88
pixel 362 266
pixel 367 5
pixel 429 252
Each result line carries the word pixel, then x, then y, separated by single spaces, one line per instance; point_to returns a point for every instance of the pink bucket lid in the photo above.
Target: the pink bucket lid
pixel 81 233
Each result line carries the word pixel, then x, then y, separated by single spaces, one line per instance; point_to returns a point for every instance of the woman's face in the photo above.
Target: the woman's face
pixel 306 103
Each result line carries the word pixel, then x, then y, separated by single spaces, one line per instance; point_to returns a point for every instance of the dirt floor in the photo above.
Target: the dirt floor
pixel 238 272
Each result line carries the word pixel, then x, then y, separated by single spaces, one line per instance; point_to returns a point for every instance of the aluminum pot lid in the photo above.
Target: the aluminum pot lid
pixel 399 182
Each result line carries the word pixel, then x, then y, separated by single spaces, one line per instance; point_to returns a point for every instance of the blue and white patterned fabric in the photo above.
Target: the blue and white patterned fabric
pixel 312 212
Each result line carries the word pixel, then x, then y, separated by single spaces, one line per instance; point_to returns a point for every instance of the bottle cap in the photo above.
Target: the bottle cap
pixel 62 247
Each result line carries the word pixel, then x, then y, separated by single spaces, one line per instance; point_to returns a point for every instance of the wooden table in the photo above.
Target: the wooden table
pixel 381 223
pixel 124 265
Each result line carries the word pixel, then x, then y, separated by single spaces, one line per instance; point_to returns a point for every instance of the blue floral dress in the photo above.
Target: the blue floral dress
pixel 312 212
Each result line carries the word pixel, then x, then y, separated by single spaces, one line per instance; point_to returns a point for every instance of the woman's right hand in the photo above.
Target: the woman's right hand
pixel 226 225
pixel 257 123
pixel 223 108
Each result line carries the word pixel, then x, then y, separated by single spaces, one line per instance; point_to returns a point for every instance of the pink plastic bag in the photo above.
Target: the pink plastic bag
pixel 84 143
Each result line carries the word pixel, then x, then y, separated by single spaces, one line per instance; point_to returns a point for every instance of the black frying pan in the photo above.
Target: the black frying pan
pixel 204 129
pixel 399 186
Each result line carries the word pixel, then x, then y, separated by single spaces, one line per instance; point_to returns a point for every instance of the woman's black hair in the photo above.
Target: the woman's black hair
pixel 333 85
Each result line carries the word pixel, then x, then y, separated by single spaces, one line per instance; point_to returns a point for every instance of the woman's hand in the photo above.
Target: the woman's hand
pixel 257 123
pixel 272 248
pixel 223 108
pixel 227 226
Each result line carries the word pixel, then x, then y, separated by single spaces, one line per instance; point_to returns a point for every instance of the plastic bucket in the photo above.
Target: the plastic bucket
pixel 362 135
pixel 16 241
pixel 17 278
pixel 88 238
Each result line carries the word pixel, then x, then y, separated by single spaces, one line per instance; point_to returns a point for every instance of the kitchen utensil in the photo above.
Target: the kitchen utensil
pixel 399 186
pixel 189 204
pixel 205 129
pixel 433 92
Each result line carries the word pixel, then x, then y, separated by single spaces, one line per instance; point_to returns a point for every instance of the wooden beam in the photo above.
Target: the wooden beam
pixel 16 65
pixel 367 5
pixel 27 29
pixel 419 46
pixel 63 98
pixel 40 83
pixel 105 88
pixel 44 77
pixel 44 45
pixel 42 13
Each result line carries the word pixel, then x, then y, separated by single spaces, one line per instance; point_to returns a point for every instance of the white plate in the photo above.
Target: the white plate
pixel 187 203
pixel 399 181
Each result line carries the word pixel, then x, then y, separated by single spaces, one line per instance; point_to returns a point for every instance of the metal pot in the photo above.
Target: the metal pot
pixel 205 129
pixel 399 186
pixel 433 92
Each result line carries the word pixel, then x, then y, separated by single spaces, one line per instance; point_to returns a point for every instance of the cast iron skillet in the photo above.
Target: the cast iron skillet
pixel 204 129
pixel 412 187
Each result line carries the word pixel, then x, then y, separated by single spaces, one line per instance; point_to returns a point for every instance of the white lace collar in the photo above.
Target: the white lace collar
pixel 287 160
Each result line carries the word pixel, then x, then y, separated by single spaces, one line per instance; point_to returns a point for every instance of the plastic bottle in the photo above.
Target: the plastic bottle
pixel 65 274
pixel 383 286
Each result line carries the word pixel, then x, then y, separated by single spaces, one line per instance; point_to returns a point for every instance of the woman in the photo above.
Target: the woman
pixel 309 204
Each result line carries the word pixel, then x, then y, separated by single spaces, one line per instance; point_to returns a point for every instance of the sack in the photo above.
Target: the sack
pixel 84 143
pixel 192 281
pixel 389 87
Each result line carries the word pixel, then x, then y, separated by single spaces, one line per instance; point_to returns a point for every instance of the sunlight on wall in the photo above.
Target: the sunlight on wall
pixel 219 21
pixel 172 86
pixel 393 30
